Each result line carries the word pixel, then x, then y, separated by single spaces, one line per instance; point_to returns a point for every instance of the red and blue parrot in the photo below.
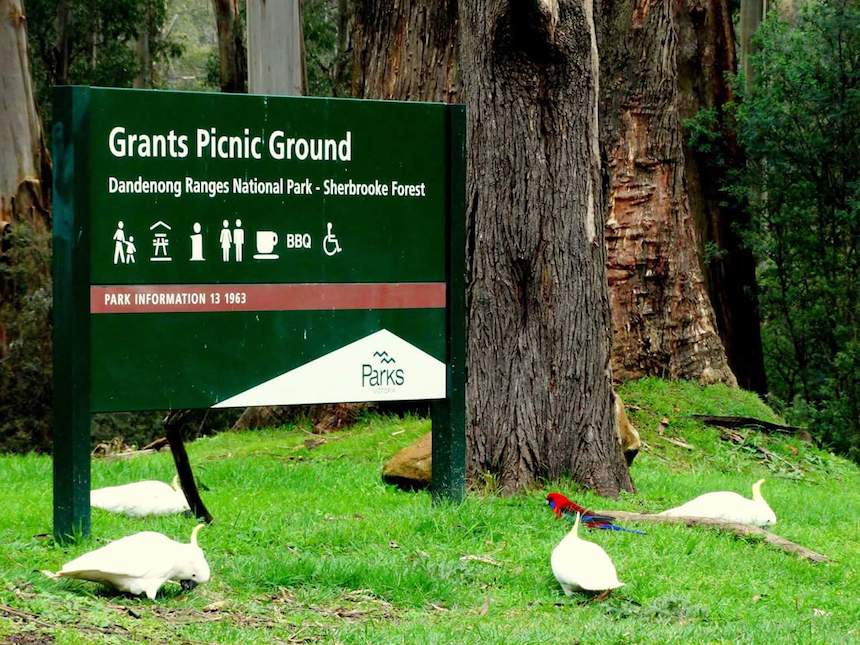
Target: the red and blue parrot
pixel 561 505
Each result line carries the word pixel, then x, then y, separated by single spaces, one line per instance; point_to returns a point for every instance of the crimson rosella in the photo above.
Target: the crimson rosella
pixel 561 505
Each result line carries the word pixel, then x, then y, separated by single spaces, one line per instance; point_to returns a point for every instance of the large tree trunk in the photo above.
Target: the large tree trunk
pixel 539 391
pixel 660 62
pixel 23 159
pixel 231 46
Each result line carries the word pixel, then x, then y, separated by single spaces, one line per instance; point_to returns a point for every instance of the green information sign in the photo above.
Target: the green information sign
pixel 222 250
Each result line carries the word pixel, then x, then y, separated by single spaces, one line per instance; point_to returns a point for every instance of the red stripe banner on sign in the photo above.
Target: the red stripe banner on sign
pixel 193 298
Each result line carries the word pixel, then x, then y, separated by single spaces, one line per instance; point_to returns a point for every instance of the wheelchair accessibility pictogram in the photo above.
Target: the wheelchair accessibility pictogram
pixel 330 243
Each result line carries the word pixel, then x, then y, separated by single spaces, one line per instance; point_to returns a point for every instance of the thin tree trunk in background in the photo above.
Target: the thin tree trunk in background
pixel 539 391
pixel 752 13
pixel 276 58
pixel 231 46
pixel 660 63
pixel 61 47
pixel 340 74
pixel 24 162
pixel 144 52
pixel 94 44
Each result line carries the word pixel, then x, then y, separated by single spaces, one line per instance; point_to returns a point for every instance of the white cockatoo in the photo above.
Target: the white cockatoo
pixel 728 506
pixel 140 499
pixel 141 563
pixel 580 564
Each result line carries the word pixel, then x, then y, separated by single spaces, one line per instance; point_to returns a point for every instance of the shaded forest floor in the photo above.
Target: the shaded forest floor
pixel 310 546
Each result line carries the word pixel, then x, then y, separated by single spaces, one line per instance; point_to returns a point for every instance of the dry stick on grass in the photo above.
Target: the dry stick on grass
pixel 738 529
pixel 157 444
pixel 677 442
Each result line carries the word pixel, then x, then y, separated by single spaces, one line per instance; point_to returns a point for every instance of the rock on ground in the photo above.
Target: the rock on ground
pixel 410 468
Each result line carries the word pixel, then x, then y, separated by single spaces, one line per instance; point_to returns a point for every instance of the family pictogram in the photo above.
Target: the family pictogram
pixel 124 249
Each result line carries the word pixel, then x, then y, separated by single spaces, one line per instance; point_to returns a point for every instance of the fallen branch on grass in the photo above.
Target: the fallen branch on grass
pixel 127 454
pixel 157 444
pixel 677 442
pixel 751 422
pixel 738 529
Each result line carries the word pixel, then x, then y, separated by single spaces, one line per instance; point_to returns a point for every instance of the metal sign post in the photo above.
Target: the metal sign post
pixel 237 250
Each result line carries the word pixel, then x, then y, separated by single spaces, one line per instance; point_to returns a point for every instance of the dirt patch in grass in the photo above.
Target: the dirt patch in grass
pixel 20 616
pixel 240 617
pixel 352 606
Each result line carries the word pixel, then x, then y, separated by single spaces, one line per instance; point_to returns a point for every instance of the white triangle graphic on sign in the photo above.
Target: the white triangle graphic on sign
pixel 379 367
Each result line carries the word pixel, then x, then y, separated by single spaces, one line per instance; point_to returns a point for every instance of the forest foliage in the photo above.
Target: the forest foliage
pixel 797 121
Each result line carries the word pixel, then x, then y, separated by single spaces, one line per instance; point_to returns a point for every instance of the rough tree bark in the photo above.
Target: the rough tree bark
pixel 405 50
pixel 231 46
pixel 24 161
pixel 661 62
pixel 539 390
pixel 540 401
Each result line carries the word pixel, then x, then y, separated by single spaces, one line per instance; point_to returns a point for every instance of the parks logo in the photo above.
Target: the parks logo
pixel 373 368
pixel 382 372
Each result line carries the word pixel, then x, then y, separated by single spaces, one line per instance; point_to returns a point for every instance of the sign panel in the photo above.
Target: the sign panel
pixel 236 239
pixel 218 250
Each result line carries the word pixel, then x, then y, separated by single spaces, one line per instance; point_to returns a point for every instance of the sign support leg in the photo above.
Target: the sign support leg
pixel 448 417
pixel 71 475
pixel 71 332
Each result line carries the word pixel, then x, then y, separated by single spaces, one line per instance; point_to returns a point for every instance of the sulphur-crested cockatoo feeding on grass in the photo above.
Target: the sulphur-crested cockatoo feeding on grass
pixel 728 506
pixel 141 498
pixel 141 563
pixel 580 564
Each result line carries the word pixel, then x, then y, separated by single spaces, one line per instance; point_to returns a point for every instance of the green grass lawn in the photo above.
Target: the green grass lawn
pixel 310 546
